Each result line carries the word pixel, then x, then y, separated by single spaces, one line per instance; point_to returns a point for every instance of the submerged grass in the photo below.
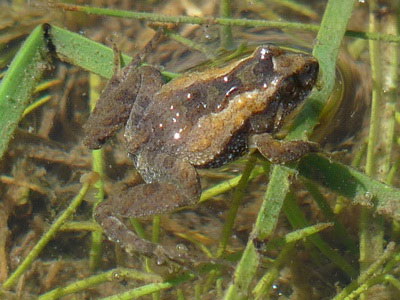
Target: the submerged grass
pixel 27 67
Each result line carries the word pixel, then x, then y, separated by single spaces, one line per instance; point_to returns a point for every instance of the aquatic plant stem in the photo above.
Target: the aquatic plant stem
pixel 112 275
pixel 265 224
pixel 371 227
pixel 228 185
pixel 234 207
pixel 225 31
pixel 38 103
pixel 376 94
pixel 221 21
pixel 151 288
pixel 98 167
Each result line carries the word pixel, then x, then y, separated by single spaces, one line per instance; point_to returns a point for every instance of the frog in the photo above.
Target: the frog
pixel 202 119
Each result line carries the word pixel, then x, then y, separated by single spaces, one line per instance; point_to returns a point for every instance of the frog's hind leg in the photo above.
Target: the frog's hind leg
pixel 116 101
pixel 171 183
pixel 116 230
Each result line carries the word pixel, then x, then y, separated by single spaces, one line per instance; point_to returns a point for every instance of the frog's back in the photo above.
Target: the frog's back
pixel 202 117
pixel 176 111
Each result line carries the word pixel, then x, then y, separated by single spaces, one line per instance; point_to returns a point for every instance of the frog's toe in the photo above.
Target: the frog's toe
pixel 281 152
pixel 116 231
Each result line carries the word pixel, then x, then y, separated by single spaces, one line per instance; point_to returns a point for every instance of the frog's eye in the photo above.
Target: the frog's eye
pixel 263 66
pixel 306 68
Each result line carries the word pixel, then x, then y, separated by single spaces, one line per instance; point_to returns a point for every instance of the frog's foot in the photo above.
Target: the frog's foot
pixel 118 232
pixel 279 152
pixel 142 200
pixel 171 183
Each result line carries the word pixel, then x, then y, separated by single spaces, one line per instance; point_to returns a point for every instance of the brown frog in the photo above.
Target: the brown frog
pixel 199 120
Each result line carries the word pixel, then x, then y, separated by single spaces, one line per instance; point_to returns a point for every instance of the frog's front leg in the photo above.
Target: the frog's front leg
pixel 170 183
pixel 278 151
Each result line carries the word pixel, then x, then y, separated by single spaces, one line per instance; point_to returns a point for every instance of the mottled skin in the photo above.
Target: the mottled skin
pixel 201 119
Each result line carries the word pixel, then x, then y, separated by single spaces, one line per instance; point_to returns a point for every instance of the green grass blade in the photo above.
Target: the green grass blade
pixel 265 224
pixel 91 56
pixel 326 51
pixel 278 187
pixel 295 236
pixel 349 182
pixel 17 86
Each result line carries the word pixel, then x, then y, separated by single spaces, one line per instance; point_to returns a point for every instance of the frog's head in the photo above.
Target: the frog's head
pixel 292 74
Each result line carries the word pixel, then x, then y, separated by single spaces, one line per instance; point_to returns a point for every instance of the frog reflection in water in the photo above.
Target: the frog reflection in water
pixel 199 120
